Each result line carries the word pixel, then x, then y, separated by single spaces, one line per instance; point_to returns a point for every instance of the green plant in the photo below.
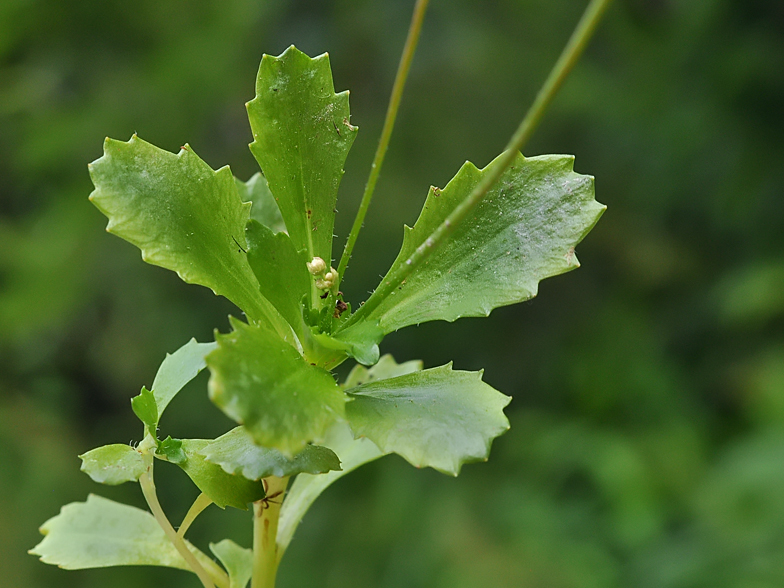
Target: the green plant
pixel 485 240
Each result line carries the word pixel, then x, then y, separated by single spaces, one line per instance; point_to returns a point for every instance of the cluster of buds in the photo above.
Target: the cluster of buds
pixel 325 280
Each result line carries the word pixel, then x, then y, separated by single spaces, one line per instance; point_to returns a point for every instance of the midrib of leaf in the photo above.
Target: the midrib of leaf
pixel 315 301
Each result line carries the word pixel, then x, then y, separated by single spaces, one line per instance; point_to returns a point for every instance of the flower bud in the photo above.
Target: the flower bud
pixel 316 266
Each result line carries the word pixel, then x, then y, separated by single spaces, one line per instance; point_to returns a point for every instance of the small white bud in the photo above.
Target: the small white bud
pixel 316 266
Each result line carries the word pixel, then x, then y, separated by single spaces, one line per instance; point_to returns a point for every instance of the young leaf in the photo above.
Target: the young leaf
pixel 524 230
pixel 265 385
pixel 437 417
pixel 182 215
pixel 264 210
pixel 302 135
pixel 178 369
pixel 146 409
pixel 113 464
pixel 222 488
pixel 306 488
pixel 101 533
pixel 237 560
pixel 352 452
pixel 171 449
pixel 281 270
pixel 236 453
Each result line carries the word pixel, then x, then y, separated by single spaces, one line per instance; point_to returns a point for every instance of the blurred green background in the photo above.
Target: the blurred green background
pixel 646 448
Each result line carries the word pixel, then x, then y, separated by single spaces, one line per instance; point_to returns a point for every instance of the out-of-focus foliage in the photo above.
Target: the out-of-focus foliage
pixel 646 443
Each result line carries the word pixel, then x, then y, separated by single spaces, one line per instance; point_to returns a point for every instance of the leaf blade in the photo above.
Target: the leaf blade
pixel 281 271
pixel 113 464
pixel 181 214
pixel 438 417
pixel 237 560
pixel 237 454
pixel 223 488
pixel 102 533
pixel 523 231
pixel 265 384
pixel 302 136
pixel 264 209
pixel 177 369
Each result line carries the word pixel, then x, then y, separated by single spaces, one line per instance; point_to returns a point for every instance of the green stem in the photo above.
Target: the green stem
pixel 202 501
pixel 569 57
pixel 215 574
pixel 389 123
pixel 265 530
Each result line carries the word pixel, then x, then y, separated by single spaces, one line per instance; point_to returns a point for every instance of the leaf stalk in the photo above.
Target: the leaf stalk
pixel 216 574
pixel 566 62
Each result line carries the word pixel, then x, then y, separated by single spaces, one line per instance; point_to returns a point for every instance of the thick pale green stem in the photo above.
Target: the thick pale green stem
pixel 389 123
pixel 571 53
pixel 208 579
pixel 265 530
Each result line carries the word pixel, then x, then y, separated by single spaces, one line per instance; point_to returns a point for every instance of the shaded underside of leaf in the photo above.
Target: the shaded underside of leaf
pixel 306 488
pixel 236 453
pixel 177 369
pixel 353 453
pixel 523 231
pixel 221 487
pixel 281 271
pixel 438 417
pixel 101 533
pixel 302 135
pixel 181 214
pixel 386 368
pixel 264 209
pixel 113 464
pixel 264 384
pixel 237 560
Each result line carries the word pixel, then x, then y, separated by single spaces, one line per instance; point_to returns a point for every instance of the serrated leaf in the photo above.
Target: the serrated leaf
pixel 264 384
pixel 438 417
pixel 145 408
pixel 523 231
pixel 221 487
pixel 302 135
pixel 172 450
pixel 264 210
pixel 306 488
pixel 177 369
pixel 281 270
pixel 236 453
pixel 102 533
pixel 237 560
pixel 386 368
pixel 113 464
pixel 182 215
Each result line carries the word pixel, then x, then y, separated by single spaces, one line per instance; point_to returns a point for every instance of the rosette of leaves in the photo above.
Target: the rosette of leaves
pixel 266 245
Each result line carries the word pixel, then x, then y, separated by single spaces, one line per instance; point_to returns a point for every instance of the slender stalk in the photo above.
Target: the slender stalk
pixel 414 31
pixel 202 501
pixel 265 530
pixel 569 57
pixel 218 575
